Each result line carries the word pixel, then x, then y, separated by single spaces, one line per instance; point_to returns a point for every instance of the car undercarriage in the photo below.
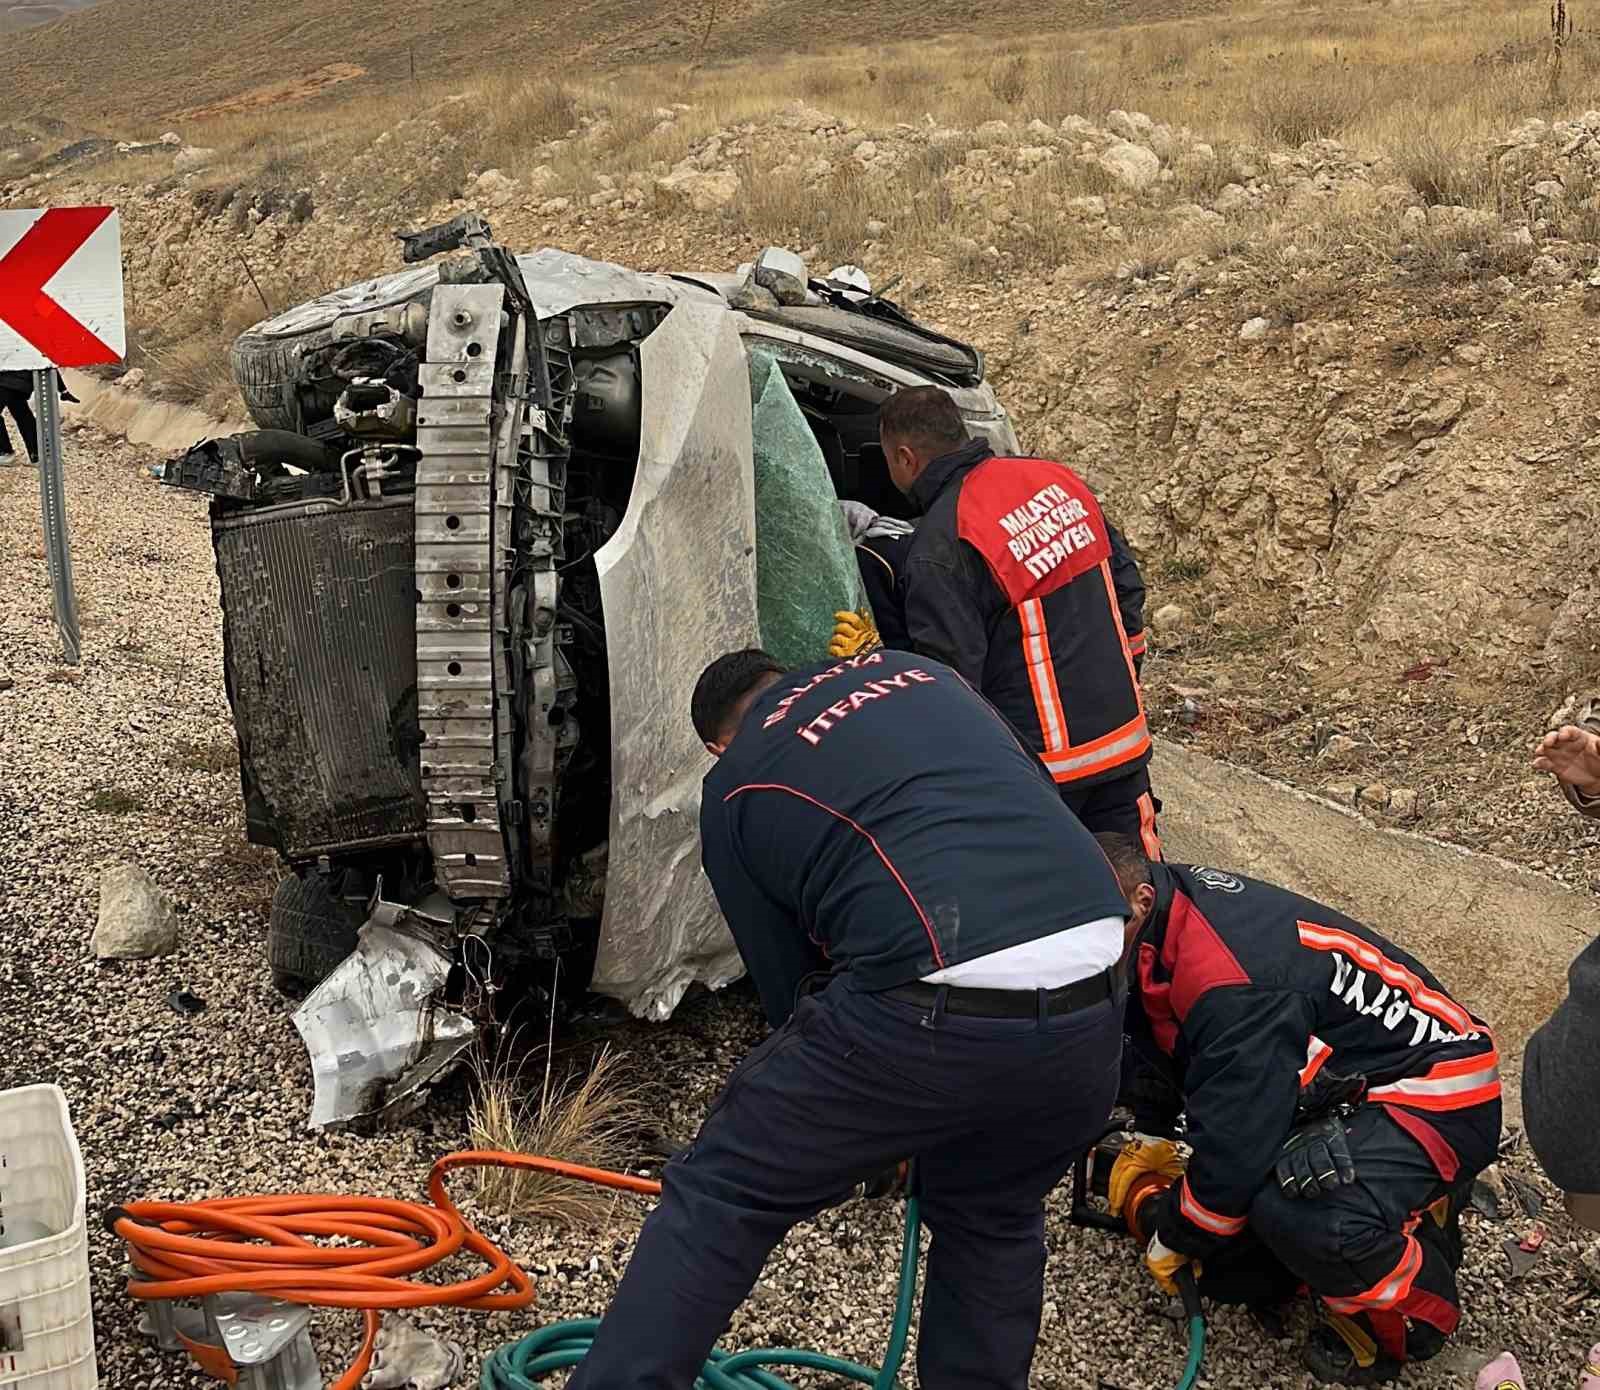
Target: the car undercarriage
pixel 498 513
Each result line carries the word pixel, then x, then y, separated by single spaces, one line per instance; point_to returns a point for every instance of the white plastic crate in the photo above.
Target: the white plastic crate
pixel 46 1325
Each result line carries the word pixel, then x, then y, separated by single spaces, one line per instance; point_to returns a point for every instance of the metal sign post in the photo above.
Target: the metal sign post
pixel 53 501
pixel 60 306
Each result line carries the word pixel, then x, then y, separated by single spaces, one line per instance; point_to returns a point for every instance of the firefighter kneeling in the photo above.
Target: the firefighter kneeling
pixel 1339 1102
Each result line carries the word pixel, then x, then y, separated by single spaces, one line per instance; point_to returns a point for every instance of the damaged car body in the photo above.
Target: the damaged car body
pixel 499 513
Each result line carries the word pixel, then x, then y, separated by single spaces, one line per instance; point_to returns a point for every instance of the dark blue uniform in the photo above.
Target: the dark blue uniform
pixel 876 816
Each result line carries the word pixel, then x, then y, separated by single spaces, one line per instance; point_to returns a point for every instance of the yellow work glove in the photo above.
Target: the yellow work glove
pixel 1164 1264
pixel 853 633
pixel 1139 1157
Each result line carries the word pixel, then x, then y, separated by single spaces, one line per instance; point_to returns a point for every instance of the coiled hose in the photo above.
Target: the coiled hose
pixel 261 1245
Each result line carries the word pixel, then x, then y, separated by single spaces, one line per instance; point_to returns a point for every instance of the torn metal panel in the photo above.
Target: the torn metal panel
pixel 377 1031
pixel 689 532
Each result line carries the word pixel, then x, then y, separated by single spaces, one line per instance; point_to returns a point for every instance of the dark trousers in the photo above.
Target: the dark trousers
pixel 1122 806
pixel 17 403
pixel 994 1112
pixel 1385 1249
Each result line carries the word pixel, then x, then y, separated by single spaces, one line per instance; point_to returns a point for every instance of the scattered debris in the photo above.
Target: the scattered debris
pixel 181 1001
pixel 1524 1254
pixel 406 1356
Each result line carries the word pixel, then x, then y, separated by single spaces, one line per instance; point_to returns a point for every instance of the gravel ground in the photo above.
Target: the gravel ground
pixel 131 757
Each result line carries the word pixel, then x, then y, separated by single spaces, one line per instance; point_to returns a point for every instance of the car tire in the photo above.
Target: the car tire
pixel 267 372
pixel 311 930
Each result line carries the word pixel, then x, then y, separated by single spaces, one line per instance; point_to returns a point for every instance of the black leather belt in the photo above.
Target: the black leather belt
pixel 1011 1003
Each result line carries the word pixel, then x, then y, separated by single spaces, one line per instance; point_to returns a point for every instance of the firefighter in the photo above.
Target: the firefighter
pixel 1339 1102
pixel 1013 580
pixel 875 816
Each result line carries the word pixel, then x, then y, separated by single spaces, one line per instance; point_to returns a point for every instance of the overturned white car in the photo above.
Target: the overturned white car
pixel 500 512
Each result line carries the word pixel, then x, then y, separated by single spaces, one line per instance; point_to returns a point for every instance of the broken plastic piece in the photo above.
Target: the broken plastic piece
pixel 378 1033
pixel 406 1356
pixel 181 1001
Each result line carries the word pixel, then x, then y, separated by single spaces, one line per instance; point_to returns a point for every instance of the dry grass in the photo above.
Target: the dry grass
pixel 592 1117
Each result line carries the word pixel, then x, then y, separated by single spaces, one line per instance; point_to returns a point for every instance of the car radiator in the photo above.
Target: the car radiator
pixel 321 668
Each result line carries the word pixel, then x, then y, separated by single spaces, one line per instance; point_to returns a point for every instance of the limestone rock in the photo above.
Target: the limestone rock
pixel 1232 198
pixel 1134 126
pixel 704 192
pixel 136 920
pixel 1403 803
pixel 1337 749
pixel 192 157
pixel 992 130
pixel 1169 618
pixel 1254 330
pixel 1131 165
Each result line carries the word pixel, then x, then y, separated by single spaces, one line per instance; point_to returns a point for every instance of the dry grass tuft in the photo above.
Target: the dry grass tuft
pixel 592 1117
pixel 1010 78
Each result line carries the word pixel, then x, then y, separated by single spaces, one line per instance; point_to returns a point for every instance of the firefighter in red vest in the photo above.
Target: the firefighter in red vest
pixel 1016 580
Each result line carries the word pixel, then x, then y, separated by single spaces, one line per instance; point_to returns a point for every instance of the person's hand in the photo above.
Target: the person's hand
pixel 1164 1264
pixel 1315 1159
pixel 1137 1158
pixel 1572 755
pixel 853 633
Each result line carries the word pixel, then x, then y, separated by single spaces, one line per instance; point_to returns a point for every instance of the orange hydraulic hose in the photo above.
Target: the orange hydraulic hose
pixel 261 1245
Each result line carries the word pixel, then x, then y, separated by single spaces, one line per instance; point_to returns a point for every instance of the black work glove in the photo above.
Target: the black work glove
pixel 1315 1159
pixel 892 1182
pixel 1329 1091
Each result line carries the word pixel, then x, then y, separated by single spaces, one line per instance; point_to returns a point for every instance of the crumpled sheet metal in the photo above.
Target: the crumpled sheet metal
pixel 678 585
pixel 806 567
pixel 374 1028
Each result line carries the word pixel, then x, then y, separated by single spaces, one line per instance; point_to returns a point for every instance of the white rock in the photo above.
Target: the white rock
pixel 1043 129
pixel 1130 125
pixel 1414 220
pixel 492 183
pixel 541 180
pixel 1087 207
pixel 1031 156
pixel 1337 747
pixel 552 206
pixel 866 151
pixel 192 157
pixel 704 192
pixel 1131 165
pixel 1254 330
pixel 1231 198
pixel 993 130
pixel 136 921
pixel 1550 188
pixel 1551 268
pixel 172 138
pixel 1079 129
pixel 1520 236
pixel 877 230
pixel 1447 215
pixel 1169 618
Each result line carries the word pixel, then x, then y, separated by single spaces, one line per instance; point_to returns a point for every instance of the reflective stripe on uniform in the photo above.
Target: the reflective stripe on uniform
pixel 1391 1289
pixel 1452 1085
pixel 1317 1054
pixel 1119 746
pixel 1395 975
pixel 1204 1217
pixel 1042 675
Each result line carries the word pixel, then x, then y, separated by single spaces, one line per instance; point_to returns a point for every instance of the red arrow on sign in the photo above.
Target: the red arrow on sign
pixel 29 266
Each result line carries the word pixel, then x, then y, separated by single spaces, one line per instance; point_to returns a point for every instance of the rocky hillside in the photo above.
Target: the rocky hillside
pixel 120 59
pixel 1296 380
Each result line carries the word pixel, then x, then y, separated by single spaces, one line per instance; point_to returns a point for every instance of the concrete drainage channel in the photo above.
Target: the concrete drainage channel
pixel 1502 935
pixel 141 419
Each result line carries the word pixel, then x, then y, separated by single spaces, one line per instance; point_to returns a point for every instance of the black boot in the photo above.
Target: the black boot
pixel 1341 1353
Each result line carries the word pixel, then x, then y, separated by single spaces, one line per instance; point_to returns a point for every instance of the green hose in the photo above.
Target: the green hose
pixel 522 1365
pixel 1197 1353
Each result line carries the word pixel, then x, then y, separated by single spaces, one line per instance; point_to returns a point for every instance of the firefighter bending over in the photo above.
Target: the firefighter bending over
pixel 1339 1101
